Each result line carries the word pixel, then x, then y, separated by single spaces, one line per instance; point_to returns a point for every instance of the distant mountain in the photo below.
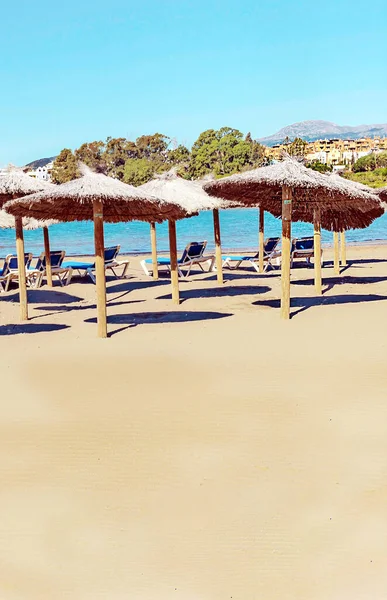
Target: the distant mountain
pixel 315 130
pixel 41 162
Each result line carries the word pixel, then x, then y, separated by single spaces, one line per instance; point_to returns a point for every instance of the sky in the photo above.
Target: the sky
pixel 75 72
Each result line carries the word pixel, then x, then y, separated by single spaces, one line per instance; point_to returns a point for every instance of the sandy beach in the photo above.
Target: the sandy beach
pixel 205 451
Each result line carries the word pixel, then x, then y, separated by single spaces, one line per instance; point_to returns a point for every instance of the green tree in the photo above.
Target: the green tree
pixel 297 147
pixel 138 171
pixel 116 153
pixel 65 167
pixel 179 155
pixel 370 162
pixel 317 165
pixel 153 147
pixel 91 154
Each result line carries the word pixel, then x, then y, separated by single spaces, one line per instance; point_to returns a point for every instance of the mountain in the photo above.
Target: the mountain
pixel 41 162
pixel 315 130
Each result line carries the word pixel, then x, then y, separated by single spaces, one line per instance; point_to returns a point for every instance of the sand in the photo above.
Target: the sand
pixel 203 452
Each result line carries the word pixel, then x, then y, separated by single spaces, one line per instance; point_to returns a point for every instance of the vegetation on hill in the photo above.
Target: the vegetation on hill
pixel 65 167
pixel 370 170
pixel 224 151
pixel 370 162
pixel 376 178
pixel 317 165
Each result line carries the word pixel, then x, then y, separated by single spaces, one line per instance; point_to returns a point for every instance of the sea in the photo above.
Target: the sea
pixel 239 231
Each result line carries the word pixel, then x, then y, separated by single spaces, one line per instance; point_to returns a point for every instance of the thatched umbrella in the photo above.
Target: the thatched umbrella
pixel 95 196
pixel 14 183
pixel 360 217
pixel 382 193
pixel 279 187
pixel 190 196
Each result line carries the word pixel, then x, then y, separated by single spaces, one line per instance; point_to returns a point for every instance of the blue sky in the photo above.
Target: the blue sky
pixel 78 71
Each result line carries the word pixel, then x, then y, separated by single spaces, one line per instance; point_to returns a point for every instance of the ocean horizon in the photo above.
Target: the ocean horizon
pixel 239 231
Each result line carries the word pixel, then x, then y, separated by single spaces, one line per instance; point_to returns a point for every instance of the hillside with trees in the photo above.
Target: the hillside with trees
pixel 223 152
pixel 370 170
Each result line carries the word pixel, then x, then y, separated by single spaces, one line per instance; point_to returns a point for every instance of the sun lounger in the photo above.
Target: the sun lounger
pixel 64 274
pixel 302 248
pixel 10 271
pixel 192 255
pixel 111 263
pixel 269 253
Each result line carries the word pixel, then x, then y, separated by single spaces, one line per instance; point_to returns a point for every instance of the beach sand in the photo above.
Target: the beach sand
pixel 203 452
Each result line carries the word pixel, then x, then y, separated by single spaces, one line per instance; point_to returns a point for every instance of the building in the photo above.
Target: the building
pixel 336 151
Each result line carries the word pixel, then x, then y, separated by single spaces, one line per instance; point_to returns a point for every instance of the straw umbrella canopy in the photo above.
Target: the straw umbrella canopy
pixel 7 221
pixel 14 183
pixel 286 186
pixel 100 198
pixel 190 196
pixel 382 193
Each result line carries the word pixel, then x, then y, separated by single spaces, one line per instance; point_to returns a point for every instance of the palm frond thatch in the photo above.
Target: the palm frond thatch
pixel 189 195
pixel 73 201
pixel 7 221
pixel 14 183
pixel 343 203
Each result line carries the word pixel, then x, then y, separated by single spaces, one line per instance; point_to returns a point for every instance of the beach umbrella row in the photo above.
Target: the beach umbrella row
pixel 293 192
pixel 14 183
pixel 192 198
pixel 99 198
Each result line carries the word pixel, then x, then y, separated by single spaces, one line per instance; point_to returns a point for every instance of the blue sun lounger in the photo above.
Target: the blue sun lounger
pixel 63 274
pixel 10 271
pixel 192 255
pixel 269 253
pixel 111 262
pixel 303 248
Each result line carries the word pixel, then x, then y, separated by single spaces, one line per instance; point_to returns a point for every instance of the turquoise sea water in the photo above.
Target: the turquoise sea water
pixel 238 230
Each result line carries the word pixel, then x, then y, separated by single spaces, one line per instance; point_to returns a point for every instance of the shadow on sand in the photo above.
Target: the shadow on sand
pixel 220 292
pixel 331 282
pixel 43 296
pixel 30 328
pixel 132 320
pixel 304 303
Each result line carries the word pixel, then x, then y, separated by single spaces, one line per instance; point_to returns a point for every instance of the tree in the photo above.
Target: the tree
pixel 91 154
pixel 138 171
pixel 370 162
pixel 178 155
pixel 319 166
pixel 153 146
pixel 65 167
pixel 297 147
pixel 224 152
pixel 117 151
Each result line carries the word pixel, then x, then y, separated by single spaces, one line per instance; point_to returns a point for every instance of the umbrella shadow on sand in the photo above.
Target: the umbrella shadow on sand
pixel 62 308
pixel 30 328
pixel 132 320
pixel 240 274
pixel 304 303
pixel 220 292
pixel 331 282
pixel 131 286
pixel 47 296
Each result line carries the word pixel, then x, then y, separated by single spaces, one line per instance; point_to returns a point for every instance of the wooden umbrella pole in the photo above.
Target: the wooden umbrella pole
pixel 343 249
pixel 21 269
pixel 336 258
pixel 100 268
pixel 48 256
pixel 218 247
pixel 173 259
pixel 285 262
pixel 261 238
pixel 155 267
pixel 317 250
